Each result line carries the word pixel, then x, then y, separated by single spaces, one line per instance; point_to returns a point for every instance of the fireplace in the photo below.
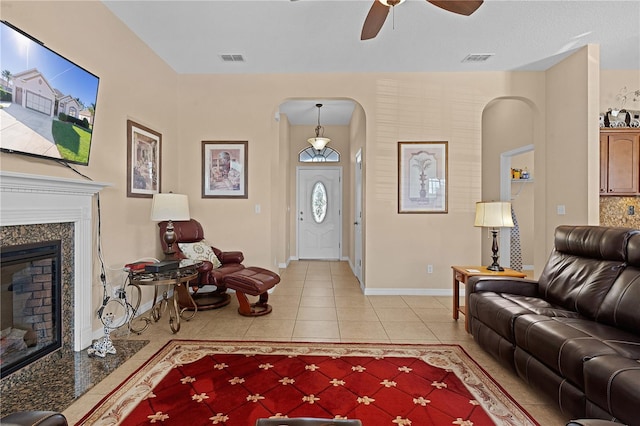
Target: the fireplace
pixel 30 303
pixel 38 209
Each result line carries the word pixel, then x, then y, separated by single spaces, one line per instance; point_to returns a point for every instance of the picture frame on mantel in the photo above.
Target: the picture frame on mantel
pixel 144 155
pixel 422 177
pixel 225 171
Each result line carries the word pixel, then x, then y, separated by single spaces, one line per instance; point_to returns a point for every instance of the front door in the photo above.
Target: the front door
pixel 319 212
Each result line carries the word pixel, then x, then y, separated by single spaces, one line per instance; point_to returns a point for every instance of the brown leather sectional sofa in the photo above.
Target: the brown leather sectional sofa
pixel 574 334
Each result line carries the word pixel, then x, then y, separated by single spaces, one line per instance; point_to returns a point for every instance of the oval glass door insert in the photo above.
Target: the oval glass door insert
pixel 319 202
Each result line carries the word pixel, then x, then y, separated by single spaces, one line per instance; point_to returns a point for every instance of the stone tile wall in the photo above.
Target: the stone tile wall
pixel 614 211
pixel 25 234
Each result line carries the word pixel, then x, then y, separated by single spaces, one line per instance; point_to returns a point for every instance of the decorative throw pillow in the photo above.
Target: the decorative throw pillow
pixel 200 251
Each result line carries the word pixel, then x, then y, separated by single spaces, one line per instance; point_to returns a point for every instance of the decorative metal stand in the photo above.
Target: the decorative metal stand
pixel 104 346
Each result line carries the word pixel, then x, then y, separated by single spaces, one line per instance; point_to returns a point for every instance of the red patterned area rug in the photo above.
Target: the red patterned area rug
pixel 193 382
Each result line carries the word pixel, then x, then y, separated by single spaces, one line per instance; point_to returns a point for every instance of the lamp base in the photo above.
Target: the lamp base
pixel 169 238
pixel 494 248
pixel 495 267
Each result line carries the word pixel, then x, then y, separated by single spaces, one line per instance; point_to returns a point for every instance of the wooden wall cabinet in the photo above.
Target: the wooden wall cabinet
pixel 619 161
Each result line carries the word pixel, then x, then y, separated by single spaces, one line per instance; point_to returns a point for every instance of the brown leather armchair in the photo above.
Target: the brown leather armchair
pixel 190 231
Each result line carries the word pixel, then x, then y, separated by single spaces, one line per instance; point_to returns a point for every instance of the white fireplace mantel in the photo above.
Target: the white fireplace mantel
pixel 27 199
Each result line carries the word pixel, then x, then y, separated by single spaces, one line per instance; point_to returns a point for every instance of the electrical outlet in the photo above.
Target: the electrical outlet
pixel 429 269
pixel 631 210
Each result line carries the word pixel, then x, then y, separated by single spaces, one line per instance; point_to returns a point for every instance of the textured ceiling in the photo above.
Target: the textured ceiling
pixel 323 36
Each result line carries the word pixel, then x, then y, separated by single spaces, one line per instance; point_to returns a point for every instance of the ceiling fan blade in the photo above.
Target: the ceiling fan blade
pixel 461 7
pixel 374 21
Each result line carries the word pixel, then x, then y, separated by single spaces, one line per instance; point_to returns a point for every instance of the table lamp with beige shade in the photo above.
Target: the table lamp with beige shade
pixel 494 215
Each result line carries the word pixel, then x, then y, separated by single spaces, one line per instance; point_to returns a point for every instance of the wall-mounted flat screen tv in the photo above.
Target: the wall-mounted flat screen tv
pixel 47 103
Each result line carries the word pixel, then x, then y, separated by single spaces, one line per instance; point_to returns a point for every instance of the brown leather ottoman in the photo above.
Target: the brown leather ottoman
pixel 254 281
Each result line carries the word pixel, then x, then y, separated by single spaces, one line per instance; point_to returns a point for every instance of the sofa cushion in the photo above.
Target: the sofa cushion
pixel 611 382
pixel 582 267
pixel 593 242
pixel 563 344
pixel 576 283
pixel 540 306
pixel 495 311
pixel 620 306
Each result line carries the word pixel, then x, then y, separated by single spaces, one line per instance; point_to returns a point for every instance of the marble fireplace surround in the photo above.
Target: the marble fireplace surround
pixel 27 199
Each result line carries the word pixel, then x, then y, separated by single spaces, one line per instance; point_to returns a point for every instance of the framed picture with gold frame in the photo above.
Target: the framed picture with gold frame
pixel 225 169
pixel 144 154
pixel 422 177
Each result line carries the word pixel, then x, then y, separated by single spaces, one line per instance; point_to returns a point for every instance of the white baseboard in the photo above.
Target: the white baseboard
pixel 408 292
pixel 285 264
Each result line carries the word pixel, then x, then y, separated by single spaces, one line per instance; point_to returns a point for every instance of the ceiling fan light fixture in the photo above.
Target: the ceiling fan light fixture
pixel 319 141
pixel 391 3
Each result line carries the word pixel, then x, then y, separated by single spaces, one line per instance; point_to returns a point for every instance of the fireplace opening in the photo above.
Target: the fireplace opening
pixel 30 303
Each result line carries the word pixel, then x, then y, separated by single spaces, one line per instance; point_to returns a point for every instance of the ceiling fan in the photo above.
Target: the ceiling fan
pixel 380 9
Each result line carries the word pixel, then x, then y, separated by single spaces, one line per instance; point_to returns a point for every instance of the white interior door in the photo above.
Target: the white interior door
pixel 357 221
pixel 319 212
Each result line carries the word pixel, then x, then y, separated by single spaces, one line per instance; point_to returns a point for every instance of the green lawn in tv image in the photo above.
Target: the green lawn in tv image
pixel 72 141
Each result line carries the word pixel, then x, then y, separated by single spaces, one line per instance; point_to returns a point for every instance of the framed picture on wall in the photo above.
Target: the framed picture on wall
pixel 144 154
pixel 422 177
pixel 224 169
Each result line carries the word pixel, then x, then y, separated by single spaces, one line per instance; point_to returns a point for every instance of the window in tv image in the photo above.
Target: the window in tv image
pixel 47 103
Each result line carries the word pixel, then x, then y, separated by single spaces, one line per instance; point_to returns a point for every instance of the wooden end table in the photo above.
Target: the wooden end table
pixel 460 276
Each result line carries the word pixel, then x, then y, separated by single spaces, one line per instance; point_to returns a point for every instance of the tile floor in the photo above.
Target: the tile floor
pixel 322 301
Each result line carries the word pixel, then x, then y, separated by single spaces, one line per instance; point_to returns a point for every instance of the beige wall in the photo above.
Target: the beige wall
pixel 357 136
pixel 611 84
pixel 134 84
pixel 188 109
pixel 282 171
pixel 571 162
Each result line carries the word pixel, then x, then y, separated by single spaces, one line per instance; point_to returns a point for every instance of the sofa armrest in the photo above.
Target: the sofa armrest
pixel 521 286
pixel 226 257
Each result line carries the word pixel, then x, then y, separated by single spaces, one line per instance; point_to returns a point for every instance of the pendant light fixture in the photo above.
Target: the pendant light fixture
pixel 319 142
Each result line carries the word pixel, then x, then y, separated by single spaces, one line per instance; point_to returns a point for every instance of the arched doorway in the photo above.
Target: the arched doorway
pixel 344 123
pixel 508 143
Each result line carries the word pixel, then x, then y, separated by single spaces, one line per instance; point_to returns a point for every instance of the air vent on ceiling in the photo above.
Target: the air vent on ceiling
pixel 232 58
pixel 477 57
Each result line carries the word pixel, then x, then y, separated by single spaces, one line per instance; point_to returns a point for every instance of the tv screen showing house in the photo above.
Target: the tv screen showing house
pixel 47 103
